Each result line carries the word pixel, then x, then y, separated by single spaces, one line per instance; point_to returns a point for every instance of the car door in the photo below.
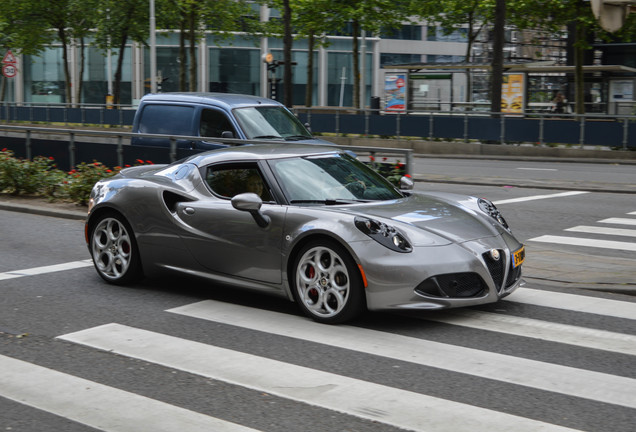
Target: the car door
pixel 229 241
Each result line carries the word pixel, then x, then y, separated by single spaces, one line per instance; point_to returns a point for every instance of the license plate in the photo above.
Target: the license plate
pixel 518 257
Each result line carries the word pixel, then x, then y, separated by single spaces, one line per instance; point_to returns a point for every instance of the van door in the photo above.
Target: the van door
pixel 214 123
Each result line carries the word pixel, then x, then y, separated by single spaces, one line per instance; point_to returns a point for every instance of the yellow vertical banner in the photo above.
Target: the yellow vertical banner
pixel 513 93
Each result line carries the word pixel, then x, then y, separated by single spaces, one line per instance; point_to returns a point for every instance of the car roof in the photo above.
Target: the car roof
pixel 260 152
pixel 226 100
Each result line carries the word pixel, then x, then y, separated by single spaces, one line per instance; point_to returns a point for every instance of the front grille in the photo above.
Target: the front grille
pixel 453 285
pixel 496 268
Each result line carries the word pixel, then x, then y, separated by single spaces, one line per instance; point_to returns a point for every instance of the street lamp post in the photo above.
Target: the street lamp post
pixel 153 49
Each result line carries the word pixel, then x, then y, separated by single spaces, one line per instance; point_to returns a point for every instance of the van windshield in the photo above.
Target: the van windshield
pixel 270 122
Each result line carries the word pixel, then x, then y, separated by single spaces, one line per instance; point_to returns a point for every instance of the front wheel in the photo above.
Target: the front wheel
pixel 326 283
pixel 114 250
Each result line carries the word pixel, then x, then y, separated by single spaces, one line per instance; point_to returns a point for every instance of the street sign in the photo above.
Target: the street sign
pixel 9 58
pixel 9 70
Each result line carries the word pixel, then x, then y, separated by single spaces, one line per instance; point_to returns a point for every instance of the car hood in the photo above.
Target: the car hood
pixel 444 217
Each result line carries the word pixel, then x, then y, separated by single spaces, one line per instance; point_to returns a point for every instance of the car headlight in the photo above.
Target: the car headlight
pixel 384 234
pixel 489 208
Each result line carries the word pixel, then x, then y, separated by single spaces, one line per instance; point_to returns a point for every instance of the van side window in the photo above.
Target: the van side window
pixel 214 123
pixel 154 119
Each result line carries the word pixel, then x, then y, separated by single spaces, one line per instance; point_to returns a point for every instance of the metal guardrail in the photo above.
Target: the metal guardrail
pixel 118 138
pixel 585 124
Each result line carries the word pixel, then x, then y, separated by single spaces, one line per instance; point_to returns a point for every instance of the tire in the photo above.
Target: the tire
pixel 326 283
pixel 114 250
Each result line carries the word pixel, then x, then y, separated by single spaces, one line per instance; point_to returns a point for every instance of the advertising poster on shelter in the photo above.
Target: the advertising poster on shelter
pixel 513 93
pixel 395 92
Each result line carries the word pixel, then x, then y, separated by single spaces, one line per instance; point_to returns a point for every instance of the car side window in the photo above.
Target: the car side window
pixel 214 123
pixel 233 179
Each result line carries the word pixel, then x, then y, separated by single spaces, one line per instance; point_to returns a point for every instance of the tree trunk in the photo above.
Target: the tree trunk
pixel 80 81
pixel 61 33
pixel 579 80
pixel 496 77
pixel 192 34
pixel 3 86
pixel 287 56
pixel 183 57
pixel 120 63
pixel 356 64
pixel 310 70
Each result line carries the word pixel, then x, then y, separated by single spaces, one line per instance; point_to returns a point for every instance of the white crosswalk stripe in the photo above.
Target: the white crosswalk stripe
pixel 95 405
pixel 597 230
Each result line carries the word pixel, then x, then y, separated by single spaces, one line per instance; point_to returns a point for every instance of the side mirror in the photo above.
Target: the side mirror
pixel 250 202
pixel 227 134
pixel 406 183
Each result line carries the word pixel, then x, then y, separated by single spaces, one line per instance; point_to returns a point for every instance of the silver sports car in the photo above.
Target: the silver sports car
pixel 310 223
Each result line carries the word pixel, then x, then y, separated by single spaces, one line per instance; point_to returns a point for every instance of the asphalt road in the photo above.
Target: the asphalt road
pixel 77 354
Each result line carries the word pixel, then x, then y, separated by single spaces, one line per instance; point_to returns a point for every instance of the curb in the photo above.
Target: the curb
pixel 43 211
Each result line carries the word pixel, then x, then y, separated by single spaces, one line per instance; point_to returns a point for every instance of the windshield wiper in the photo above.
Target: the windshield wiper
pixel 268 137
pixel 297 137
pixel 328 201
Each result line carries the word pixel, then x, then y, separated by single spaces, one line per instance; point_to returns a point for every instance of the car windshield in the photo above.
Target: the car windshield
pixel 331 179
pixel 270 122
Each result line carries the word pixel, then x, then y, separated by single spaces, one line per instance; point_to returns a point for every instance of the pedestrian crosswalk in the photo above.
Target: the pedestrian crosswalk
pixel 620 237
pixel 107 408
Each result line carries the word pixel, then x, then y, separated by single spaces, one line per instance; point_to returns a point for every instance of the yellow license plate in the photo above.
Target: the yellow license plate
pixel 518 257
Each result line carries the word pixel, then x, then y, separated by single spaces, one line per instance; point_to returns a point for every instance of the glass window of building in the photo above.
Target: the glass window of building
pixel 405 32
pixel 234 71
pixel 388 59
pixel 437 34
pixel 44 77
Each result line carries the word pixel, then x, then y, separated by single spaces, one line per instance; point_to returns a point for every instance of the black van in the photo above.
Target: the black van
pixel 215 117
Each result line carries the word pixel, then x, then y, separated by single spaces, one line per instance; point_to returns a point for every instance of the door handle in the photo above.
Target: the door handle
pixel 188 210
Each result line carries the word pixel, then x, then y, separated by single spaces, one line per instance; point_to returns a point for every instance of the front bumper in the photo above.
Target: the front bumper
pixel 439 277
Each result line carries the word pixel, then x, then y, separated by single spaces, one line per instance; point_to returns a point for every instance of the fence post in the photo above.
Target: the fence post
pixel 71 150
pixel 120 151
pixel 173 149
pixel 397 125
pixel 28 144
pixel 465 127
pixel 338 122
pixel 582 131
pixel 541 128
pixel 625 132
pixel 431 125
pixel 502 129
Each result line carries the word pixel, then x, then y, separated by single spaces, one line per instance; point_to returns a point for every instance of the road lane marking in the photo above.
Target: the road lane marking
pixel 603 230
pixel 510 369
pixel 97 405
pixel 45 269
pixel 379 403
pixel 574 302
pixel 537 169
pixel 587 242
pixel 537 329
pixel 619 221
pixel 540 197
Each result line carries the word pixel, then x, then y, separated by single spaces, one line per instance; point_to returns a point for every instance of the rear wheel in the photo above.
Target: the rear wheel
pixel 326 283
pixel 114 250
